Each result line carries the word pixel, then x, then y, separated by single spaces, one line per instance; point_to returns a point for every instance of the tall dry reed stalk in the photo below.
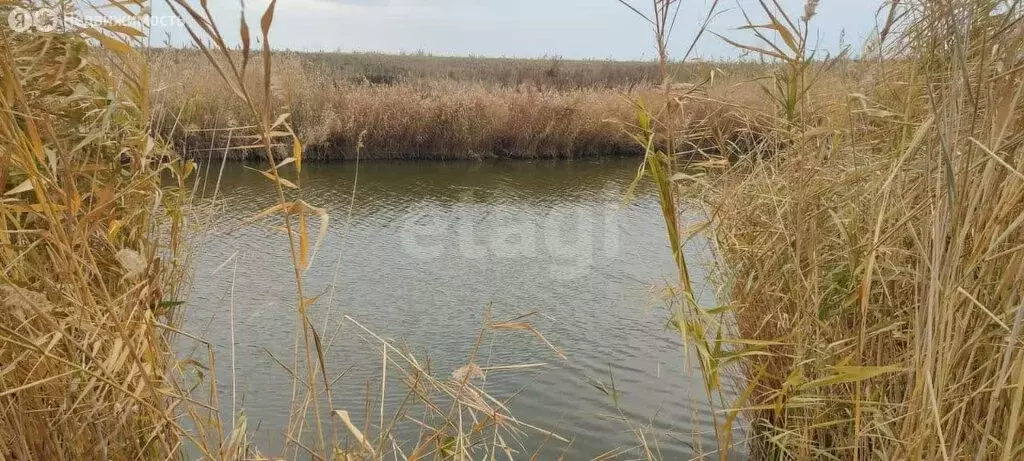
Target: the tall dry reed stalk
pixel 90 247
pixel 876 251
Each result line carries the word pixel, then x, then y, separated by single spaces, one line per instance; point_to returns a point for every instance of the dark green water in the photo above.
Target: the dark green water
pixel 427 248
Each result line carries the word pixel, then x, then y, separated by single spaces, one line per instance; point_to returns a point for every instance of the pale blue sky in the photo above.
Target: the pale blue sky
pixel 523 28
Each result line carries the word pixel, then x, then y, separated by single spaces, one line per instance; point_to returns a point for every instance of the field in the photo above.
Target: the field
pixel 869 216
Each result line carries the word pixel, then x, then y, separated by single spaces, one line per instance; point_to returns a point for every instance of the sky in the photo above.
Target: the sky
pixel 571 29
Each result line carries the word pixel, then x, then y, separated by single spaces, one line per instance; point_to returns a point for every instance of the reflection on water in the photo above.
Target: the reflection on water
pixel 423 252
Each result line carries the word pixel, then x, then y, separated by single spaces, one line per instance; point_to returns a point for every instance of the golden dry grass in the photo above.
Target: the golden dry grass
pixel 479 112
pixel 875 253
pixel 89 246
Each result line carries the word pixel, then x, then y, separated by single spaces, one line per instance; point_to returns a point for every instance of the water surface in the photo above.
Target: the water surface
pixel 421 253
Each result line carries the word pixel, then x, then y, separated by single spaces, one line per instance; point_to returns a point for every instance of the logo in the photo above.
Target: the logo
pixel 51 20
pixel 20 19
pixel 43 20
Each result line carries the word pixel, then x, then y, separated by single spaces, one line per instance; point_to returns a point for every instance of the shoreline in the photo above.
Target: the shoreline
pixel 482 159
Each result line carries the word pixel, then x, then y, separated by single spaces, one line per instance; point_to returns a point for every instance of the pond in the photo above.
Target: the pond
pixel 420 255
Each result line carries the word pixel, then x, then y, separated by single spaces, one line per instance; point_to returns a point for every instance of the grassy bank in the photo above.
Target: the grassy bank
pixel 424 107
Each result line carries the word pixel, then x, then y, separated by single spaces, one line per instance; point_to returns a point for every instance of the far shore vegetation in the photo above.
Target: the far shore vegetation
pixel 436 107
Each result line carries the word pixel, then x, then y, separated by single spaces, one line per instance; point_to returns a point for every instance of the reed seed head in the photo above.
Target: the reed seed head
pixel 810 10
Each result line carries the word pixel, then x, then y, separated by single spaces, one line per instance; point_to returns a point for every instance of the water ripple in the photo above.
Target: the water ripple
pixel 428 249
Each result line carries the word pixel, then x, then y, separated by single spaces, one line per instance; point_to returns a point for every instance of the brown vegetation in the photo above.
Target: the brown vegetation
pixel 444 108
pixel 876 252
pixel 89 246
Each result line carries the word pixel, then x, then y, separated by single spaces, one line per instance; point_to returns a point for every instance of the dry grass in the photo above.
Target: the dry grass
pixel 876 252
pixel 480 112
pixel 551 73
pixel 89 246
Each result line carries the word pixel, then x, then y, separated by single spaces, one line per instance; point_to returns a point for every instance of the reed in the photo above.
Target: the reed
pixel 90 246
pixel 556 73
pixel 482 108
pixel 875 250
